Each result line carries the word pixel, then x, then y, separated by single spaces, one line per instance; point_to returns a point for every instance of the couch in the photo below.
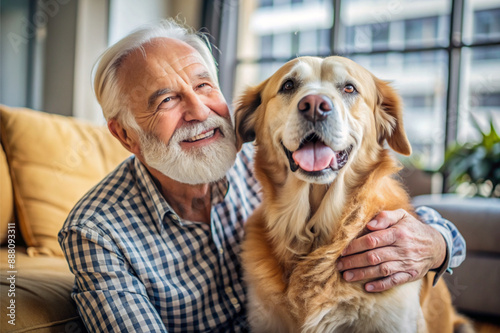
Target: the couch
pixel 475 285
pixel 47 162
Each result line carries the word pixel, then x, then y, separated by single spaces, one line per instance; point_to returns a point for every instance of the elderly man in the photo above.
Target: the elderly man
pixel 154 246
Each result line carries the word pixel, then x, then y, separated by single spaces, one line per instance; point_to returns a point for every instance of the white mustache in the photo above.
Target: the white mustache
pixel 191 131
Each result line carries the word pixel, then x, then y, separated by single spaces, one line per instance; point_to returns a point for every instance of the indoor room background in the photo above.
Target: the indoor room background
pixel 443 56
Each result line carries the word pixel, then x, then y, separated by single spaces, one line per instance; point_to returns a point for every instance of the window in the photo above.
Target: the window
pixel 439 54
pixel 480 93
pixel 422 31
pixel 486 24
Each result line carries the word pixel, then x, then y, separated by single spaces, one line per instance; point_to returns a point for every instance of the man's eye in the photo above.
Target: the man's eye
pixel 165 103
pixel 204 88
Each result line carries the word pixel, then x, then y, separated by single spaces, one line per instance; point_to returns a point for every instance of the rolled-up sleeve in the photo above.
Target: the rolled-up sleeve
pixel 455 243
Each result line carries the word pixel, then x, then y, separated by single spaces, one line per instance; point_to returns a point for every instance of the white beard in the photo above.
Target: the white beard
pixel 194 166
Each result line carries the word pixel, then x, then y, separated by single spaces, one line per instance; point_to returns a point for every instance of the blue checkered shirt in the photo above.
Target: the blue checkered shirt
pixel 140 268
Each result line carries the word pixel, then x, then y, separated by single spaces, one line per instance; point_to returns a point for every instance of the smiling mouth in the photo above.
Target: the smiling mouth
pixel 202 136
pixel 314 156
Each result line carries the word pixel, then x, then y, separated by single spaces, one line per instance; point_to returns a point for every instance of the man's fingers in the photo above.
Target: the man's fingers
pixel 386 219
pixel 381 234
pixel 371 241
pixel 362 260
pixel 397 250
pixel 384 269
pixel 372 272
pixel 388 282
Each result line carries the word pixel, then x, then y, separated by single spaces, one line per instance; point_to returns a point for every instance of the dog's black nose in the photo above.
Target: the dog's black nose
pixel 315 107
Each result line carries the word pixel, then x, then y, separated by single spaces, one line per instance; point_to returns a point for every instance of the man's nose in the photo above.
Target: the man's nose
pixel 195 108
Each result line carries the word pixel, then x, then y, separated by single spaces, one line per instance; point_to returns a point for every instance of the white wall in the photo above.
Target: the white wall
pixel 127 15
pixel 14 48
pixel 91 41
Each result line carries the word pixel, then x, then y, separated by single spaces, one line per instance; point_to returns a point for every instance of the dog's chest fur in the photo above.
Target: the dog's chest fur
pixel 305 228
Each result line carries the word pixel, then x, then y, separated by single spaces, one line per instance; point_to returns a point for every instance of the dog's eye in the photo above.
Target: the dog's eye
pixel 349 88
pixel 288 85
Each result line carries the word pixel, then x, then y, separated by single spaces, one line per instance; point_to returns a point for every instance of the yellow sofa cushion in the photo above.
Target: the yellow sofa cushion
pixel 54 161
pixel 6 198
pixel 36 297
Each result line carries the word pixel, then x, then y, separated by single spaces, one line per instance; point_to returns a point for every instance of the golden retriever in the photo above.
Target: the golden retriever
pixel 320 126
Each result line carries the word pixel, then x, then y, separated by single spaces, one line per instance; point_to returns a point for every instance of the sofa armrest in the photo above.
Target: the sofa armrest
pixel 475 284
pixel 477 219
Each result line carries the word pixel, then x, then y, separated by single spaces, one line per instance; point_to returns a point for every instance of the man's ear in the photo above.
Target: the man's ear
pixel 244 114
pixel 118 131
pixel 389 118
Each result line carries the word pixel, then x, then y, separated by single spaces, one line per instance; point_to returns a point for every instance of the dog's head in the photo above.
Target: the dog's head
pixel 318 115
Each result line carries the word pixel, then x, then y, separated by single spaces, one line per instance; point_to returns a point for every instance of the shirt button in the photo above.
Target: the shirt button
pixel 234 301
pixel 228 290
pixel 221 251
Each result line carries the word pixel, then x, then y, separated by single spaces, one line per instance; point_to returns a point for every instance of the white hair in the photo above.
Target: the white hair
pixel 106 85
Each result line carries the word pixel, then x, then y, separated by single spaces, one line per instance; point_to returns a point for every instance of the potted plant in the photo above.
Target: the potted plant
pixel 474 168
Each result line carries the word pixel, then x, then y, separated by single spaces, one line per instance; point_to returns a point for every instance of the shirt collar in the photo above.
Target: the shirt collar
pixel 219 189
pixel 157 203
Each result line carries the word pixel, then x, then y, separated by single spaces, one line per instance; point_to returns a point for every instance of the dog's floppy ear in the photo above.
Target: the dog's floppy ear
pixel 389 118
pixel 244 114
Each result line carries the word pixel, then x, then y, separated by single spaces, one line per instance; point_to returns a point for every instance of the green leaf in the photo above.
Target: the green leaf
pixel 474 162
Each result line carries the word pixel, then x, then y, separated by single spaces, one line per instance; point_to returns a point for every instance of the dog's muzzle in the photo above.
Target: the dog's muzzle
pixel 313 155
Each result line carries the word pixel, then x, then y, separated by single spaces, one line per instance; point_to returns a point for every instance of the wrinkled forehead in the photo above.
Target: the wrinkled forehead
pixel 159 57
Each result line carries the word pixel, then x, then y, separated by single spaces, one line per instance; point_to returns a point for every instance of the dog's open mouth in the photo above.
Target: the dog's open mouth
pixel 314 155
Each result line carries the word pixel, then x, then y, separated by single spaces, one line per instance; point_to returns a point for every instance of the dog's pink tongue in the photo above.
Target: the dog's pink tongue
pixel 314 156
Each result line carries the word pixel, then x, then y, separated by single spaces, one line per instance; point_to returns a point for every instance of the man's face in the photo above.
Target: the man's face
pixel 187 133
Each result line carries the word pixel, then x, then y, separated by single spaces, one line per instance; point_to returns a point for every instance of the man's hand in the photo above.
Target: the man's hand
pixel 398 249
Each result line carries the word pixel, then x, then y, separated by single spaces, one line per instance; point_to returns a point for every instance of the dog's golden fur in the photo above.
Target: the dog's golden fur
pixel 306 220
